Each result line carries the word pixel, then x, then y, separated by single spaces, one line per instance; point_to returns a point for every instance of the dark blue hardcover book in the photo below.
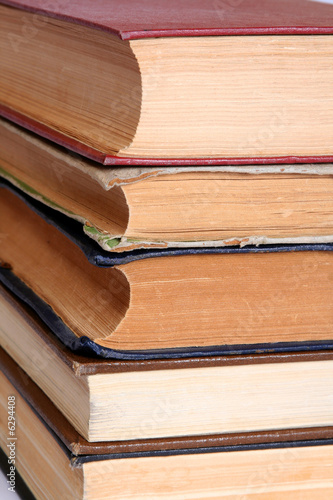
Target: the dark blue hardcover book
pixel 303 267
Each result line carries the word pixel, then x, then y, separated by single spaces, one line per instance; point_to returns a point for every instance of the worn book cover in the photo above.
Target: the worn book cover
pixel 126 208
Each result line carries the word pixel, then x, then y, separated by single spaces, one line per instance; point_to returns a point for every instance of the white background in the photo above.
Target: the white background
pixel 4 493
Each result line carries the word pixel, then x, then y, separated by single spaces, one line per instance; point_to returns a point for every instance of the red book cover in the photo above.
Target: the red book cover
pixel 133 20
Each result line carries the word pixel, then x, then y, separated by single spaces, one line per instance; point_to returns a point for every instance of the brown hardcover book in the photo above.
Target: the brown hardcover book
pixel 280 464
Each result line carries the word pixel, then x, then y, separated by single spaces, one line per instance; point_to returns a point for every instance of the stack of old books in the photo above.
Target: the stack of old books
pixel 166 228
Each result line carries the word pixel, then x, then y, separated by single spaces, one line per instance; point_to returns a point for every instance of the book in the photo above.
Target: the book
pixel 289 463
pixel 126 208
pixel 179 81
pixel 232 302
pixel 171 398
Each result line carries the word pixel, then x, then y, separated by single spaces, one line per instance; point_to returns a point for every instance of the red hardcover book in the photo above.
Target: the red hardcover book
pixel 172 82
